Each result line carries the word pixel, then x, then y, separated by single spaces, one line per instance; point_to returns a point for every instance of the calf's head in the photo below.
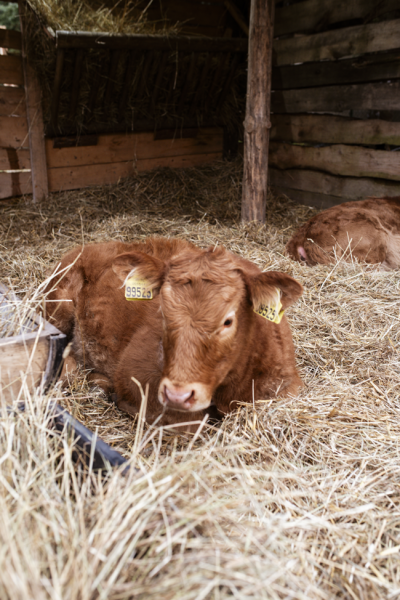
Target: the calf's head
pixel 207 301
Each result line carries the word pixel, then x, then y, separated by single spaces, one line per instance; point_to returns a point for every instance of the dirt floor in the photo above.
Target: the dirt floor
pixel 292 498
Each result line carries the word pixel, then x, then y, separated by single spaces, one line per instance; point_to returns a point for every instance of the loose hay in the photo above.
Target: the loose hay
pixel 292 498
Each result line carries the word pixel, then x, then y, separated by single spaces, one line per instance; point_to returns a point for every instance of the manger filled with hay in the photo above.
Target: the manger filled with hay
pixel 286 498
pixel 106 67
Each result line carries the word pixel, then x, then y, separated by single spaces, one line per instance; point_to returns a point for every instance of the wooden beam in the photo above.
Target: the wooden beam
pixel 256 124
pixel 353 161
pixel 339 43
pixel 83 39
pixel 121 148
pixel 313 14
pixel 11 70
pixel 33 97
pixel 70 178
pixel 337 98
pixel 324 129
pixel 379 66
pixel 351 188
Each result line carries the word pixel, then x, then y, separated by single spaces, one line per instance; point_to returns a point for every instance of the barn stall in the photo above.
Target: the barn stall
pixel 287 498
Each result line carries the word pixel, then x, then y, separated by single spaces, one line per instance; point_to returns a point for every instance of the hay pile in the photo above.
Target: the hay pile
pixel 293 498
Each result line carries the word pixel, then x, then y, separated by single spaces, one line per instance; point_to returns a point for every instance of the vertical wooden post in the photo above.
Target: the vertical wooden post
pixel 257 123
pixel 33 96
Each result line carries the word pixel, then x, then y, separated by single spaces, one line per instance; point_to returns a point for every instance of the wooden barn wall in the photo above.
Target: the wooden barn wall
pixel 335 132
pixel 15 175
pixel 107 159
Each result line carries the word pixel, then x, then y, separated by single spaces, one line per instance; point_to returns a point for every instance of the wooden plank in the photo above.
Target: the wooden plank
pixel 11 70
pixel 256 123
pixel 353 161
pixel 129 147
pixel 15 184
pixel 334 130
pixel 83 39
pixel 339 43
pixel 16 358
pixel 67 178
pixel 351 188
pixel 316 14
pixel 10 39
pixel 337 98
pixel 14 132
pixel 11 159
pixel 12 102
pixel 33 95
pixel 369 67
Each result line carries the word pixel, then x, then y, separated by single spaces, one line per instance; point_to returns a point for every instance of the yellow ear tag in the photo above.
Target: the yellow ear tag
pixel 273 313
pixel 138 289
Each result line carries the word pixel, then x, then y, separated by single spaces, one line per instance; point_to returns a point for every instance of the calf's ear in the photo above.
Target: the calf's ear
pixel 265 287
pixel 142 266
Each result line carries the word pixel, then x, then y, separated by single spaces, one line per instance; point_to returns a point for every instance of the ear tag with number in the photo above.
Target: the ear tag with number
pixel 273 313
pixel 138 289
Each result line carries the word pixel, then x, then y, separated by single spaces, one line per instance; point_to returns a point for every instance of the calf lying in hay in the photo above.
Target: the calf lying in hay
pixel 201 327
pixel 368 230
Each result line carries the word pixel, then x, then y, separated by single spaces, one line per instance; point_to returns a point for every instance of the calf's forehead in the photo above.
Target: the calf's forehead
pixel 204 295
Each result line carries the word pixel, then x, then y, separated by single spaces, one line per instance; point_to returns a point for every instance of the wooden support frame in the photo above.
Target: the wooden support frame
pixel 33 95
pixel 257 123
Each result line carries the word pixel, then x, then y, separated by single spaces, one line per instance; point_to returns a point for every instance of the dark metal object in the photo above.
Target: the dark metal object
pixel 92 449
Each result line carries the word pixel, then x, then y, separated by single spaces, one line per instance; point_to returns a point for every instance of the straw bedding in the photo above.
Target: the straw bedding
pixel 289 498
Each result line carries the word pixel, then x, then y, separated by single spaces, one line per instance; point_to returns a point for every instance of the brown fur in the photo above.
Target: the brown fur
pixel 181 333
pixel 368 230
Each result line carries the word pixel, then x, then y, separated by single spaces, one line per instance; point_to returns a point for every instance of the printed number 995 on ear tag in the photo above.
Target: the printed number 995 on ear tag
pixel 138 289
pixel 271 313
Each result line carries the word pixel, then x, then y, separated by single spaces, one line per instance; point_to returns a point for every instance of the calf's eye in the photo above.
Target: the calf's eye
pixel 228 322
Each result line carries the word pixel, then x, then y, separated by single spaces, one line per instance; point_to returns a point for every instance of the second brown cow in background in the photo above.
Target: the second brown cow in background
pixel 368 230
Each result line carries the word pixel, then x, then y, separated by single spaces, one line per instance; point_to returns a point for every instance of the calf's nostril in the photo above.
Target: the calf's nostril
pixel 177 396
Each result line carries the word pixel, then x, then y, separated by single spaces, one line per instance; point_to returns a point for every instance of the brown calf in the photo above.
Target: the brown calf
pixel 368 230
pixel 196 343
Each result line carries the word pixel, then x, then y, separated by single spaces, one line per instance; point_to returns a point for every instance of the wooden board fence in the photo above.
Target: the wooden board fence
pixel 336 61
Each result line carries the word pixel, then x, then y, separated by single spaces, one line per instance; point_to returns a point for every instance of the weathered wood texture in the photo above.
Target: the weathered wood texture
pixel 339 43
pixel 15 184
pixel 351 188
pixel 256 124
pixel 118 156
pixel 337 98
pixel 327 129
pixel 12 102
pixel 380 66
pixel 70 178
pixel 14 132
pixel 348 70
pixel 36 354
pixel 10 39
pixel 309 15
pixel 11 70
pixel 131 147
pixel 112 158
pixel 33 96
pixel 11 159
pixel 353 161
